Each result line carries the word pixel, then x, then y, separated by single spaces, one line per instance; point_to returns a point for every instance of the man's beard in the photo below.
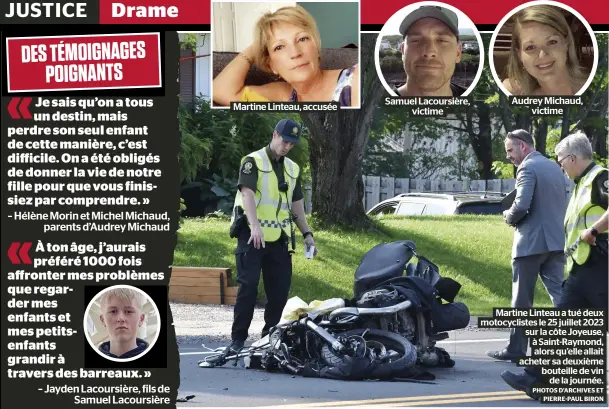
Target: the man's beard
pixel 429 82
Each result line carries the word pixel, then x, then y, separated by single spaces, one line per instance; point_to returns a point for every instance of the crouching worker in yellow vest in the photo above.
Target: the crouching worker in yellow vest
pixel 586 223
pixel 269 203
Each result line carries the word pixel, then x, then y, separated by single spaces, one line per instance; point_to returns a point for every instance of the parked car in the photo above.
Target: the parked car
pixel 417 204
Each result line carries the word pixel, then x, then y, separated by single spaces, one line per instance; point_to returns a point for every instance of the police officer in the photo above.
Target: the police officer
pixel 268 204
pixel 586 224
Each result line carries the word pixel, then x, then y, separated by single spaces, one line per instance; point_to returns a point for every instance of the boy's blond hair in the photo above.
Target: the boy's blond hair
pixel 123 294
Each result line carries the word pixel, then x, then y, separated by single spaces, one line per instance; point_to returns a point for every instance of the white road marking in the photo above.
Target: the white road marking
pixel 472 341
pixel 457 341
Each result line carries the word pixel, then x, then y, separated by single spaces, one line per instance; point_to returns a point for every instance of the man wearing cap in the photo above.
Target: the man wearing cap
pixel 269 202
pixel 430 51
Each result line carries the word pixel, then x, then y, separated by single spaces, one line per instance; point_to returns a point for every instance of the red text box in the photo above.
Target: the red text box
pixel 96 61
pixel 154 11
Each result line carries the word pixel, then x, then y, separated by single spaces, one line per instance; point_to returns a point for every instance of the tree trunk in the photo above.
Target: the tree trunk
pixel 481 141
pixel 506 114
pixel 566 122
pixel 484 141
pixel 337 145
pixel 522 121
pixel 541 136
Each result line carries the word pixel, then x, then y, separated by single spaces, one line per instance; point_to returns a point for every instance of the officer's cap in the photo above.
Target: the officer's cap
pixel 289 130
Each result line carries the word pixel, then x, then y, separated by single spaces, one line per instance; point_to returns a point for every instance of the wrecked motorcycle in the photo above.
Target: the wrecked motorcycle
pixel 390 325
pixel 311 347
pixel 386 278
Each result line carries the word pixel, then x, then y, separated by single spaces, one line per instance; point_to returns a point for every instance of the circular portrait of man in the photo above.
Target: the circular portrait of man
pixel 543 48
pixel 429 49
pixel 122 323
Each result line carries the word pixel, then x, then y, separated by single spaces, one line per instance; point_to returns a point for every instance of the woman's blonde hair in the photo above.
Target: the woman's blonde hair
pixel 553 17
pixel 263 30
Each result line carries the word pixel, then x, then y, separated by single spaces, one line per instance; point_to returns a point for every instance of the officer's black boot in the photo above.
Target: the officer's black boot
pixel 522 382
pixel 234 347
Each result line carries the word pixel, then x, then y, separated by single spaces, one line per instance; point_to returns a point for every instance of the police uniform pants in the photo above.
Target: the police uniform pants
pixel 275 261
pixel 586 286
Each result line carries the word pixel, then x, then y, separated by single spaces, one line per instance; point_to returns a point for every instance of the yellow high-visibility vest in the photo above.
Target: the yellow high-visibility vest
pixel 272 206
pixel 581 215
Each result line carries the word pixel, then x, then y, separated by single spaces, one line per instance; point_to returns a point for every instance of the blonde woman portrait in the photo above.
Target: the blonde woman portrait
pixel 546 54
pixel 286 45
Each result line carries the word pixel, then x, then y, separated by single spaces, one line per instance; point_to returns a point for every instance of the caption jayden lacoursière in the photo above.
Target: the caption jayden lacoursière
pixel 81 173
pixel 567 346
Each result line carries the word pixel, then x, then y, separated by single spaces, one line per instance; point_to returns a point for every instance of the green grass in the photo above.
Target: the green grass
pixel 474 250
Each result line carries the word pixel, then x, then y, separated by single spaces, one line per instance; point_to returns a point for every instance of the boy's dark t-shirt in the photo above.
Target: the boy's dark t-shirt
pixel 141 347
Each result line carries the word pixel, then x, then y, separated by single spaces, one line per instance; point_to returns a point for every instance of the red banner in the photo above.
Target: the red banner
pixel 154 11
pixel 100 61
pixel 482 12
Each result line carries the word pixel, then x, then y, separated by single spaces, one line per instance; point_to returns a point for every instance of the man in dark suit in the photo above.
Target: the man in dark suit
pixel 537 213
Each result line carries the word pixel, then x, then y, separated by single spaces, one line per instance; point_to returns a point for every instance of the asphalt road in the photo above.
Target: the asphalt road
pixel 474 381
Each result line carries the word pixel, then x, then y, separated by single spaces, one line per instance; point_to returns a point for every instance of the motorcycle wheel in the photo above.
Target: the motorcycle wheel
pixel 407 353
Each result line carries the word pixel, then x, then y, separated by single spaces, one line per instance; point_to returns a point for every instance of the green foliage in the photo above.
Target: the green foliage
pixel 217 215
pixel 219 187
pixel 503 170
pixel 182 208
pixel 421 156
pixel 471 52
pixel 465 58
pixel 467 37
pixel 602 161
pixel 189 41
pixel 390 63
pixel 195 148
pixel 394 40
pixel 214 141
pixel 461 246
pixel 393 53
pixel 551 141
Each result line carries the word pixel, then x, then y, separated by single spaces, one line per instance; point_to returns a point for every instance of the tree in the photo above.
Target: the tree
pixel 212 144
pixel 337 145
pixel 404 145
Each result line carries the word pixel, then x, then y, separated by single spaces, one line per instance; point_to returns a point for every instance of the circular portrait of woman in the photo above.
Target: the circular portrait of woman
pixel 543 48
pixel 429 49
pixel 286 53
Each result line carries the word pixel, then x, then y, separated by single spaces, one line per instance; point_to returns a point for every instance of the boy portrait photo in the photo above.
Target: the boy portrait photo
pixel 121 323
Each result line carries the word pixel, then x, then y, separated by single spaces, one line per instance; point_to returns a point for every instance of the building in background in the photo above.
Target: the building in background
pixel 195 67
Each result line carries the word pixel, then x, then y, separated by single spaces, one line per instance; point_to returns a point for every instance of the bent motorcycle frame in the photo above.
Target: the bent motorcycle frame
pixel 344 315
pixel 284 361
pixel 354 311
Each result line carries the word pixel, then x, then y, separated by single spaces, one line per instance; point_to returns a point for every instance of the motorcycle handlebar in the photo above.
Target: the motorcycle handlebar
pixel 370 311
